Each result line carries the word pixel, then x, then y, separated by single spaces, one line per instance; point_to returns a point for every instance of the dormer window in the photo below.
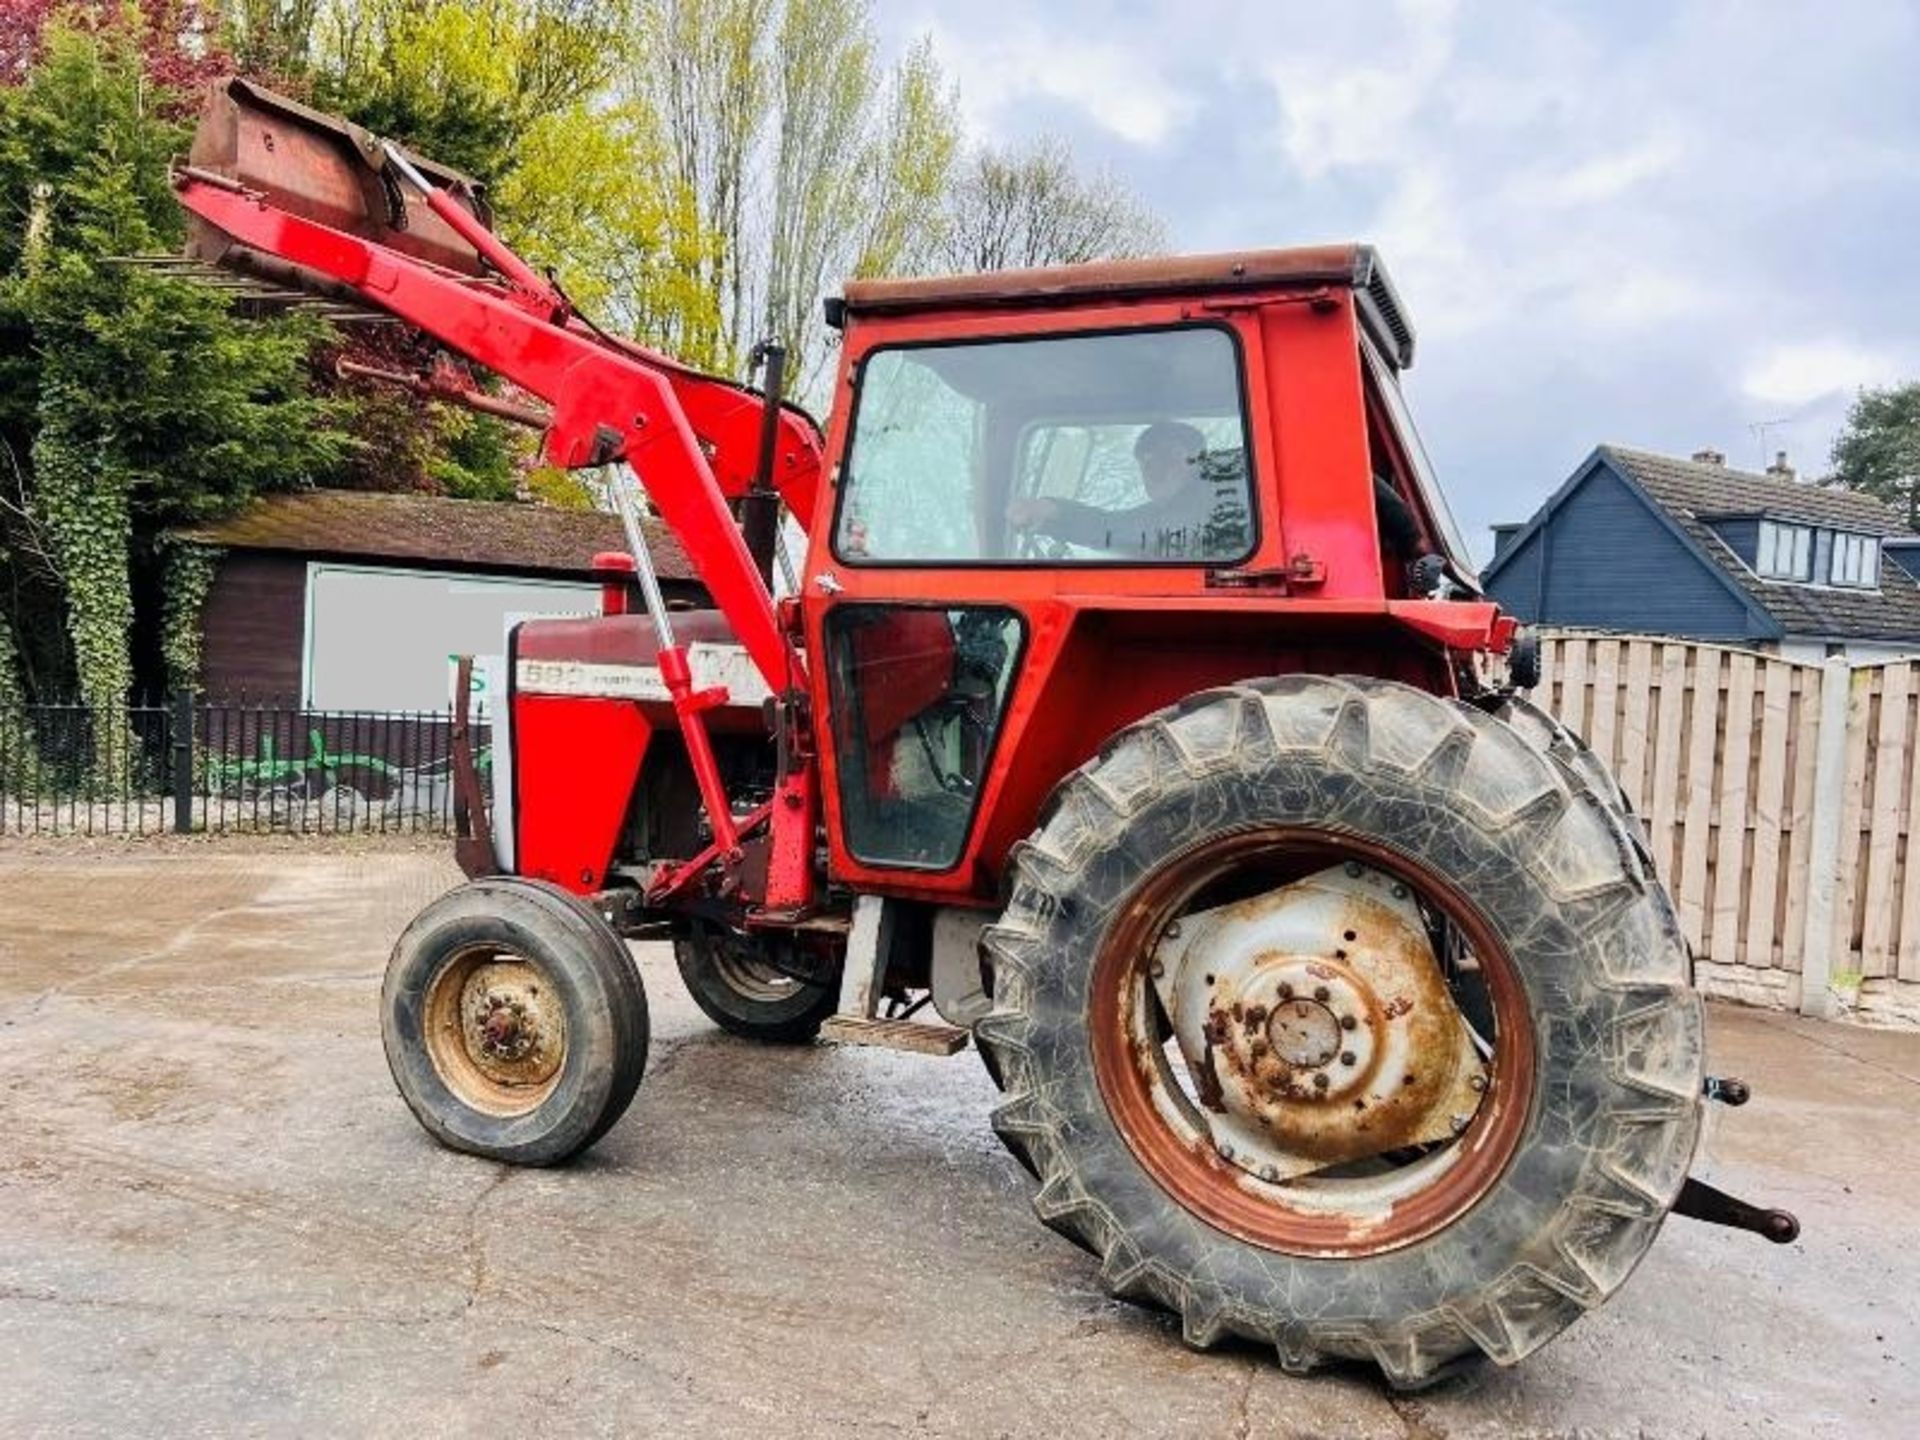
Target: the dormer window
pixel 1856 561
pixel 1786 552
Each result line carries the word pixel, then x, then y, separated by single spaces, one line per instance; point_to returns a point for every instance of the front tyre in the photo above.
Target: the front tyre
pixel 514 1021
pixel 1232 996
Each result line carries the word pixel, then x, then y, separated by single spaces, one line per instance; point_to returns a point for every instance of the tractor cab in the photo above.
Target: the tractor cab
pixel 1044 482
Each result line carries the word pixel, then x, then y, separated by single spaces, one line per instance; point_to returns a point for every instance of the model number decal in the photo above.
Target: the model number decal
pixel 712 665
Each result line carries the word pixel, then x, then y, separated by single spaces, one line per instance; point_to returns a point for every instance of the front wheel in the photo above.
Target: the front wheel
pixel 1334 1015
pixel 514 1021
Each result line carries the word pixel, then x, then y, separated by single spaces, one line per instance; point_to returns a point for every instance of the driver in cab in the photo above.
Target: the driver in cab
pixel 1188 514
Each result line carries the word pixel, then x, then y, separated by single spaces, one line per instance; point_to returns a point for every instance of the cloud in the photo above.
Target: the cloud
pixel 1344 105
pixel 1815 370
pixel 1120 87
pixel 1610 177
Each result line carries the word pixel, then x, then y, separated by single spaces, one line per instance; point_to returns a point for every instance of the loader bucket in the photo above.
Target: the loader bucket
pixel 321 168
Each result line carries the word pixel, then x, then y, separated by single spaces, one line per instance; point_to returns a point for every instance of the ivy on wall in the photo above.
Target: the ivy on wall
pixel 16 735
pixel 189 572
pixel 84 505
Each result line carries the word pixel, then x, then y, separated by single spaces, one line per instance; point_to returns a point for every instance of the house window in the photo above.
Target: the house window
pixel 1856 561
pixel 1786 552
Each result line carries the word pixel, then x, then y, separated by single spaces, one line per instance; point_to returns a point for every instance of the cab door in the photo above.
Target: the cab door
pixel 982 483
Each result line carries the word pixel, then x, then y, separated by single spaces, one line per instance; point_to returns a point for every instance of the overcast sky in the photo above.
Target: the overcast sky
pixel 1656 224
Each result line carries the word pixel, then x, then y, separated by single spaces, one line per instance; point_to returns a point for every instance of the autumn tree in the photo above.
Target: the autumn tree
pixel 1018 206
pixel 1878 453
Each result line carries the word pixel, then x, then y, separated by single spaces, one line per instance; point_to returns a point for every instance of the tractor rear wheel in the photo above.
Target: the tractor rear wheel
pixel 514 1021
pixel 753 984
pixel 1233 991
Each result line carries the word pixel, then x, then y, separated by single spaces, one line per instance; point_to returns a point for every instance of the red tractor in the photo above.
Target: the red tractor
pixel 1134 708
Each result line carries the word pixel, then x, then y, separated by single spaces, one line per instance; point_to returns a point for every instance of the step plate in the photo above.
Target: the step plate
pixel 908 1035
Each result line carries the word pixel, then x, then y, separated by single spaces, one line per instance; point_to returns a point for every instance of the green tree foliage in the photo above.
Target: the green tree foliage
pixel 1879 451
pixel 131 402
pixel 464 80
pixel 516 94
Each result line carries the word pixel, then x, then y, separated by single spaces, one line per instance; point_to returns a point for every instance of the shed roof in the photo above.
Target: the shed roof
pixel 435 531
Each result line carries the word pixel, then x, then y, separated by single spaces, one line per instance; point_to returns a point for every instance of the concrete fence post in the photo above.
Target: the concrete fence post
pixel 1825 852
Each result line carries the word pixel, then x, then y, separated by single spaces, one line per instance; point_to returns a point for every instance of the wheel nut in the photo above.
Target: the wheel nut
pixel 1159 968
pixel 1477 1082
pixel 1172 931
pixel 1399 892
pixel 1321 993
pixel 1347 1022
pixel 1286 990
pixel 1460 1123
pixel 1226 1152
pixel 1320 1081
pixel 1346 1057
pixel 1353 869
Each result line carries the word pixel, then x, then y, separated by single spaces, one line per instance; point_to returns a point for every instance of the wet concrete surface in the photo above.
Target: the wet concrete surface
pixel 217 1217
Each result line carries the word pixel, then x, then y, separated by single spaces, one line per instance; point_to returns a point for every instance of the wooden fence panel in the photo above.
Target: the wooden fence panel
pixel 1881 837
pixel 1716 748
pixel 1862 705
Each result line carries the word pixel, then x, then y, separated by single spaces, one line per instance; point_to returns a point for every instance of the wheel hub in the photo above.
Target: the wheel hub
pixel 511 1025
pixel 1318 1025
pixel 1303 1033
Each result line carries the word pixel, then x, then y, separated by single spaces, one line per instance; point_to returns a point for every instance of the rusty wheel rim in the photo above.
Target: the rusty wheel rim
pixel 496 1031
pixel 1169 1136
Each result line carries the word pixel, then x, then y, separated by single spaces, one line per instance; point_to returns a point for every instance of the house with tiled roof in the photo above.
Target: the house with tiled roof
pixel 1653 544
pixel 351 600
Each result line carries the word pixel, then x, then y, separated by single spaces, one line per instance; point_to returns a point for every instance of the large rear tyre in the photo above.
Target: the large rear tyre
pixel 753 985
pixel 514 1021
pixel 1567 750
pixel 1485 1225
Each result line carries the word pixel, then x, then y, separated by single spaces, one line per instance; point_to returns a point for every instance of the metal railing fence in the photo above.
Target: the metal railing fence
pixel 193 763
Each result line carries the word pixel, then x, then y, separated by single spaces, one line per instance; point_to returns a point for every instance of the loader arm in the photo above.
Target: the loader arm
pixel 692 439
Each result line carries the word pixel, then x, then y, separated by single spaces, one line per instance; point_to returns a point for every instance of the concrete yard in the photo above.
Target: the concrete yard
pixel 216 1216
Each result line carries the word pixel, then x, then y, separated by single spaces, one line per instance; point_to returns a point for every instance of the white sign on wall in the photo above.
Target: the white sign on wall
pixel 379 639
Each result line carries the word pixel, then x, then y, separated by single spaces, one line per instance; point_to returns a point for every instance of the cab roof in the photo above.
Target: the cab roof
pixel 1356 267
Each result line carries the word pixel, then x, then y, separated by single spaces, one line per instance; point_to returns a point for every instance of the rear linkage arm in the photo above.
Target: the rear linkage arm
pixel 1701 1201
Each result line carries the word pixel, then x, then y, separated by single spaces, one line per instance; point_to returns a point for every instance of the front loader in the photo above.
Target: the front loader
pixel 1134 712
